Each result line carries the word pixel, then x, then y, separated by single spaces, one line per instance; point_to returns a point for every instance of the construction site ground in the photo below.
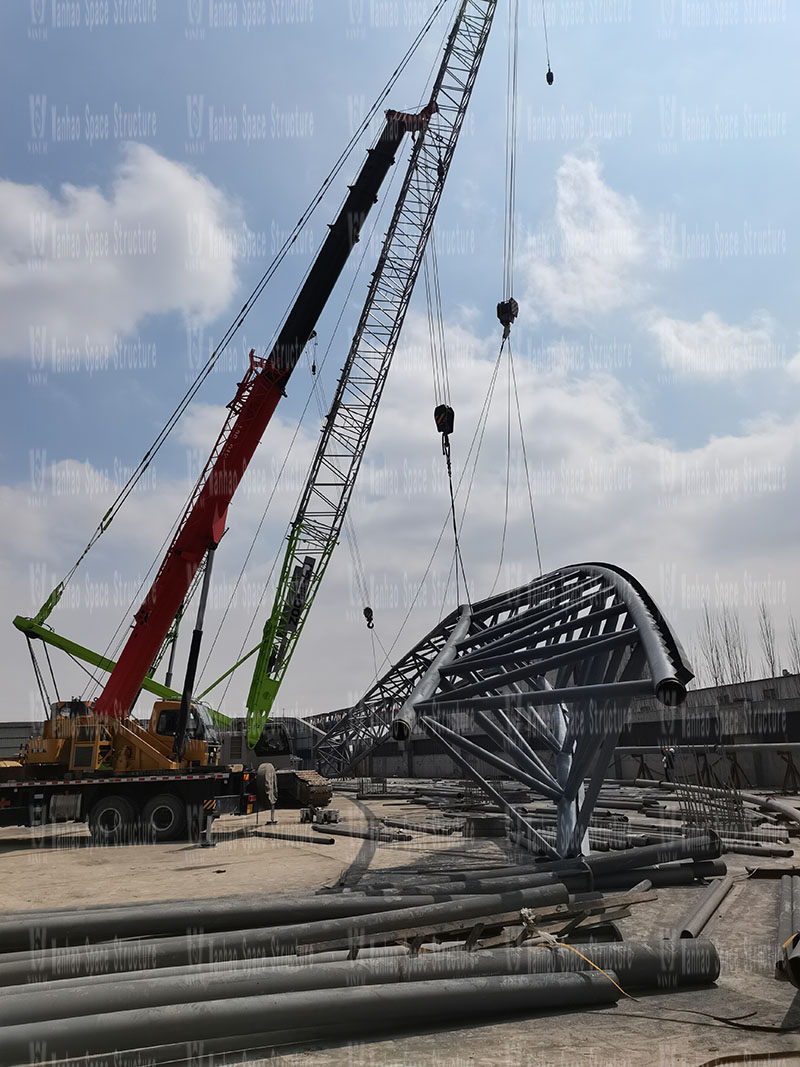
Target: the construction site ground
pixel 58 867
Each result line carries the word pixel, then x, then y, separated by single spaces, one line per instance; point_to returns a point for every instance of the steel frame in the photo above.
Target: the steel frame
pixel 546 672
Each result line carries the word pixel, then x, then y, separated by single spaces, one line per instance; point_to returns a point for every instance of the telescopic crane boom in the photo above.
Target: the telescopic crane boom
pixel 203 522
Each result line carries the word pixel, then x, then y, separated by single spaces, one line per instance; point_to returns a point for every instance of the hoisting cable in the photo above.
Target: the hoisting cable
pixel 50 665
pixel 446 522
pixel 508 471
pixel 444 415
pixel 281 254
pixel 39 679
pixel 511 151
pixel 525 459
pixel 84 668
pixel 549 75
pixel 480 430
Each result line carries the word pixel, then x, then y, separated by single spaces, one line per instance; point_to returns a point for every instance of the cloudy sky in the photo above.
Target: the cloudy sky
pixel 155 155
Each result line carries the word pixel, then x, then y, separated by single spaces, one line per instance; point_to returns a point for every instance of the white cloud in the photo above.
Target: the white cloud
pixel 84 264
pixel 713 523
pixel 711 349
pixel 793 367
pixel 587 265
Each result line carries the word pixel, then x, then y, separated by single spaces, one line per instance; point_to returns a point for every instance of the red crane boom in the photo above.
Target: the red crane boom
pixel 250 411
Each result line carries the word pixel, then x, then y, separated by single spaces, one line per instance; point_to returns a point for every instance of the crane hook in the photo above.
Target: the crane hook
pixel 368 616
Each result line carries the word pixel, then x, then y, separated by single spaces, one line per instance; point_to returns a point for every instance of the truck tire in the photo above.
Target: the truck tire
pixel 112 820
pixel 163 818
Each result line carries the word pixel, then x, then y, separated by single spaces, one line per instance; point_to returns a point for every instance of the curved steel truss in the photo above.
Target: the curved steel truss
pixel 545 672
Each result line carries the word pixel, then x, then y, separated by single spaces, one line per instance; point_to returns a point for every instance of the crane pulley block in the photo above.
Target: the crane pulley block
pixel 507 311
pixel 445 418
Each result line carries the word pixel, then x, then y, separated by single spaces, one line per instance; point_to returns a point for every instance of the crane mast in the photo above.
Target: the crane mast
pixel 203 522
pixel 316 527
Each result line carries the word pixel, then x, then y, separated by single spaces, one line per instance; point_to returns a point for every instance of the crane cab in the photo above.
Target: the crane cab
pixel 202 739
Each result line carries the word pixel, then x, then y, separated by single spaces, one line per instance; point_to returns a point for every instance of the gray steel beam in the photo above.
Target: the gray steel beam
pixel 403 723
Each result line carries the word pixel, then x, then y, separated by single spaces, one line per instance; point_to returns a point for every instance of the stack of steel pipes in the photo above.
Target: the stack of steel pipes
pixel 228 978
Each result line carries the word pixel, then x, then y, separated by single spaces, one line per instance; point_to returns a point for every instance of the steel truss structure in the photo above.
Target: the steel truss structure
pixel 546 673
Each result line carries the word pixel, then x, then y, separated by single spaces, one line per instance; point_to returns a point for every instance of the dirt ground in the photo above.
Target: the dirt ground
pixel 61 868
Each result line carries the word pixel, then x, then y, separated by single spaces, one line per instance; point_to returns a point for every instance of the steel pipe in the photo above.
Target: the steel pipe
pixel 200 970
pixel 251 1023
pixel 697 919
pixel 432 729
pixel 703 846
pixel 509 769
pixel 662 877
pixel 52 931
pixel 405 720
pixel 372 833
pixel 638 965
pixel 576 881
pixel 268 941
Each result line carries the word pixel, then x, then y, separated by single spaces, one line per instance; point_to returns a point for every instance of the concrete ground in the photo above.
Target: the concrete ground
pixel 61 868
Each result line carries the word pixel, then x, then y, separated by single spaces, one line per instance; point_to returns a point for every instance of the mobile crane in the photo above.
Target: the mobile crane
pixel 91 759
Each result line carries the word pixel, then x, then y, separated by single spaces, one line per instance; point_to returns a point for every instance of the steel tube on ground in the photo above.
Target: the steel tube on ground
pixel 638 965
pixel 468 874
pixel 267 941
pixel 703 846
pixel 213 916
pixel 748 848
pixel 445 828
pixel 368 833
pixel 710 900
pixel 221 1025
pixel 576 881
pixel 301 839
pixel 661 877
pixel 251 966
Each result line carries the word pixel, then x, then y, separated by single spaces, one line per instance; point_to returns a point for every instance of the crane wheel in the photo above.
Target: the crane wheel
pixel 112 820
pixel 163 818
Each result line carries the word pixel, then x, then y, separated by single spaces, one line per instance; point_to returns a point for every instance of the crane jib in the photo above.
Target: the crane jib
pixel 317 524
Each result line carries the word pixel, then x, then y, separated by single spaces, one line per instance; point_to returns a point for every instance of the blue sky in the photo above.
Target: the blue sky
pixel 657 272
